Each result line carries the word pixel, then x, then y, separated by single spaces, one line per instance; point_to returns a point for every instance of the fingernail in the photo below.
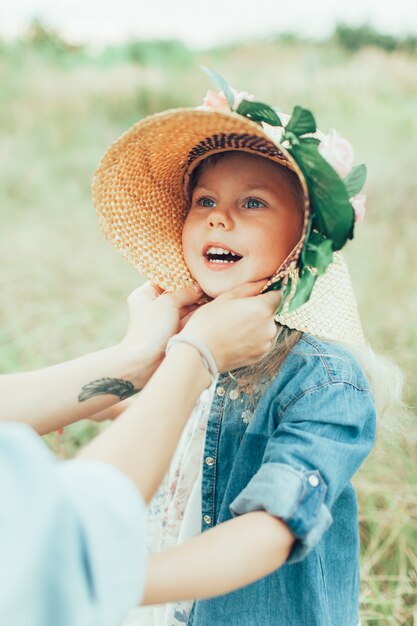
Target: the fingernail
pixel 196 288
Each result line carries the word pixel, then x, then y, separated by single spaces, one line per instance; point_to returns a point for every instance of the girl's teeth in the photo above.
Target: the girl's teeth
pixel 219 251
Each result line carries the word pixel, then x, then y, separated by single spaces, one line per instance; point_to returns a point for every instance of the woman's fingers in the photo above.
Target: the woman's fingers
pixel 184 297
pixel 185 319
pixel 144 294
pixel 272 300
pixel 238 327
pixel 149 292
pixel 244 291
pixel 185 311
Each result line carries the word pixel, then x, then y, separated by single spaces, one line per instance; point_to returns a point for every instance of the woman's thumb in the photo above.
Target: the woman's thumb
pixel 186 296
pixel 143 294
pixel 245 291
pixel 272 299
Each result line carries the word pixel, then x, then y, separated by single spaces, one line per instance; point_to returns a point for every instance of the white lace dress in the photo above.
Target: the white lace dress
pixel 174 515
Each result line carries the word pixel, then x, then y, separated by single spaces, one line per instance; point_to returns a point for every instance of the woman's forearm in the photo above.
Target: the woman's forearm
pixel 150 428
pixel 220 560
pixel 55 396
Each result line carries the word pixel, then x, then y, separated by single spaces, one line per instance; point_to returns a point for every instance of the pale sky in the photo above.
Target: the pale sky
pixel 202 23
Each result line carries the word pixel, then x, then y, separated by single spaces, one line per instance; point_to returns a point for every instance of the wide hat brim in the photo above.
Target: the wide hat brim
pixel 140 194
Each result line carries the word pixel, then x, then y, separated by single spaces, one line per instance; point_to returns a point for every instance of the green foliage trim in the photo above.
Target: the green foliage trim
pixel 317 252
pixel 355 180
pixel 302 122
pixel 303 290
pixel 332 215
pixel 259 112
pixel 285 295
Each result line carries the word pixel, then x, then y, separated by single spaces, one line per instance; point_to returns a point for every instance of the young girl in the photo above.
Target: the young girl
pixel 224 195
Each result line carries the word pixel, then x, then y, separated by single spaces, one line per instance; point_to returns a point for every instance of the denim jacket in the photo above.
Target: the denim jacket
pixel 293 454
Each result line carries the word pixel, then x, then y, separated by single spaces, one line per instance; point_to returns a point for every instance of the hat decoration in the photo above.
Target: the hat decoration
pixel 334 186
pixel 141 194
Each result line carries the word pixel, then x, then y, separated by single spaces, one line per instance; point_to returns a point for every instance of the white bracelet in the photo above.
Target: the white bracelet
pixel 201 347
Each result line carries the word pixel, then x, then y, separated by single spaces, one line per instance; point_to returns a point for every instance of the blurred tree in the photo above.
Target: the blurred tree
pixel 159 52
pixel 46 40
pixel 353 38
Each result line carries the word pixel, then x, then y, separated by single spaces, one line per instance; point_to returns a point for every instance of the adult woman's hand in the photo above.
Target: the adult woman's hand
pixel 52 397
pixel 237 327
pixel 154 317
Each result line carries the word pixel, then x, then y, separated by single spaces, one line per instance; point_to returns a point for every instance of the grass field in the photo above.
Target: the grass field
pixel 63 286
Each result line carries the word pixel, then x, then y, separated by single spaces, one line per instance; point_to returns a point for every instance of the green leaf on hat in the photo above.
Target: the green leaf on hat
pixel 259 112
pixel 355 180
pixel 302 121
pixel 303 290
pixel 222 83
pixel 274 287
pixel 312 140
pixel 333 214
pixel 318 252
pixel 286 293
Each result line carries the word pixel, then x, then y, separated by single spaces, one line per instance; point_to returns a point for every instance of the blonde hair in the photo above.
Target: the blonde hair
pixel 385 377
pixel 386 381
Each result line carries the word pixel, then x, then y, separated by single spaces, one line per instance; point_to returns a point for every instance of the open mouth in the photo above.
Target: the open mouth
pixel 221 256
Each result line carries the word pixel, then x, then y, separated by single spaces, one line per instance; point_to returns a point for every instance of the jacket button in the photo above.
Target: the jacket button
pixel 220 391
pixel 207 519
pixel 313 480
pixel 209 460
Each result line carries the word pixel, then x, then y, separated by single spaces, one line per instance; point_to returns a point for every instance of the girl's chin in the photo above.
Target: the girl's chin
pixel 222 282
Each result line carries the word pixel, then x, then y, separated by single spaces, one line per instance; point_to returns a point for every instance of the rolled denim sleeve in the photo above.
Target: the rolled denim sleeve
pixel 322 437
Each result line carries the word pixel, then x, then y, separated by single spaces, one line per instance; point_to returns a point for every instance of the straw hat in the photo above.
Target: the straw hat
pixel 140 192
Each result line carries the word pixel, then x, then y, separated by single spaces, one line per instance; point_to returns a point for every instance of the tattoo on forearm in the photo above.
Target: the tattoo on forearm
pixel 104 386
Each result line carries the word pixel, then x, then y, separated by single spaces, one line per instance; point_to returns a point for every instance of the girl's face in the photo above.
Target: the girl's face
pixel 243 221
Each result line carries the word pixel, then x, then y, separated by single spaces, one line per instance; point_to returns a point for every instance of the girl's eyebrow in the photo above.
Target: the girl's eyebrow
pixel 198 186
pixel 202 188
pixel 248 186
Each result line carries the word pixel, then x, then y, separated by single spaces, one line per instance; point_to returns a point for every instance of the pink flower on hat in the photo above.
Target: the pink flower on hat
pixel 358 203
pixel 338 152
pixel 218 101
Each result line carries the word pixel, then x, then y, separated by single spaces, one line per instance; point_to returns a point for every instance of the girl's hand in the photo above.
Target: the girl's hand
pixel 238 327
pixel 154 317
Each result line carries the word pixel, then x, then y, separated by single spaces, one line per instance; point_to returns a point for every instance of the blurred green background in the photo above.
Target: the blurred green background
pixel 63 287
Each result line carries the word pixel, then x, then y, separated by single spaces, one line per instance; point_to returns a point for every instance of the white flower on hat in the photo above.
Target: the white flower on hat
pixel 275 132
pixel 338 152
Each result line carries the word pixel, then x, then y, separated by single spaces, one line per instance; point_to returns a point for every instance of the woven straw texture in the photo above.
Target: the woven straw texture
pixel 331 312
pixel 140 194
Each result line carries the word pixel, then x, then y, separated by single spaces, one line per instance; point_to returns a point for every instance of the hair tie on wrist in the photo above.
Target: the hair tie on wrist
pixel 201 347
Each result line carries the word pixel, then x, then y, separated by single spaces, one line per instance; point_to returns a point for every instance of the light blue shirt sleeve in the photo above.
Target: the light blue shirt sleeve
pixel 71 537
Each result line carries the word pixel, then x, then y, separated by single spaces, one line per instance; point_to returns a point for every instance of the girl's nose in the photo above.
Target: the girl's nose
pixel 219 219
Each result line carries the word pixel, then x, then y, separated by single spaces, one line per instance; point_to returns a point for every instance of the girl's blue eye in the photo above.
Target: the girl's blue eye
pixel 205 202
pixel 253 203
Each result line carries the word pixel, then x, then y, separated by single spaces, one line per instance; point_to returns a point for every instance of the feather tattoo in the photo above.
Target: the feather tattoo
pixel 104 386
